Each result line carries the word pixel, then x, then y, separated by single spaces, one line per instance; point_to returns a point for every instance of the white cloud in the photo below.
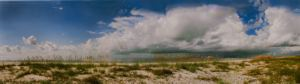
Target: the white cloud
pixel 199 28
pixel 31 40
pixel 284 26
pixel 297 10
pixel 47 46
pixel 60 8
pixel 178 28
pixel 101 23
pixel 95 33
pixel 193 28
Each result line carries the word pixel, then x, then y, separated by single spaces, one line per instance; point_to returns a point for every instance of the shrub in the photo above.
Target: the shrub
pixel 188 67
pixel 93 80
pixel 254 72
pixel 221 66
pixel 208 78
pixel 22 74
pixel 262 58
pixel 162 72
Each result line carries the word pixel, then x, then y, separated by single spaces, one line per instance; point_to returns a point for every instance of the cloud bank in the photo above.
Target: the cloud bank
pixel 198 29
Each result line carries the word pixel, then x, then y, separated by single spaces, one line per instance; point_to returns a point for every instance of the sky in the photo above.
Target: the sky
pixel 73 21
pixel 32 24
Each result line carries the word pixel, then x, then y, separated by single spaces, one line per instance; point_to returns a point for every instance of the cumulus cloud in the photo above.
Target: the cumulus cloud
pixel 283 28
pixel 205 28
pixel 48 50
pixel 180 28
pixel 199 29
pixel 31 40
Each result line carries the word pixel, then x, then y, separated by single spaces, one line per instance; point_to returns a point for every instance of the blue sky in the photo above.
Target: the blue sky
pixel 69 22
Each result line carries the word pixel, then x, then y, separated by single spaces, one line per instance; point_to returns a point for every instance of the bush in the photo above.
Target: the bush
pixel 262 58
pixel 188 67
pixel 162 72
pixel 93 80
pixel 254 72
pixel 222 66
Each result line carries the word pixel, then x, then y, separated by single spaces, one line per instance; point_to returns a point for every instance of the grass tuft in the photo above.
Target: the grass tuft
pixel 92 80
pixel 162 72
pixel 192 67
pixel 221 66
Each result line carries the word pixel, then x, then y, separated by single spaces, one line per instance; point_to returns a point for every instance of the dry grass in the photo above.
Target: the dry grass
pixel 262 57
pixel 278 70
pixel 273 70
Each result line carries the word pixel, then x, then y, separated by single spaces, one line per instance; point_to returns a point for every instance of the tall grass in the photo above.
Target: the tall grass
pixel 280 70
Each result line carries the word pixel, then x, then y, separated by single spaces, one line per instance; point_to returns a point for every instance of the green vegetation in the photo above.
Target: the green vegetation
pixel 255 72
pixel 215 79
pixel 2 67
pixel 22 74
pixel 192 67
pixel 92 80
pixel 126 68
pixel 221 66
pixel 64 71
pixel 267 70
pixel 221 82
pixel 162 72
pixel 242 65
pixel 208 78
pixel 279 70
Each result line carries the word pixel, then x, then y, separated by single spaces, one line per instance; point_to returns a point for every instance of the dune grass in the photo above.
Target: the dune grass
pixel 269 70
pixel 279 70
pixel 192 67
